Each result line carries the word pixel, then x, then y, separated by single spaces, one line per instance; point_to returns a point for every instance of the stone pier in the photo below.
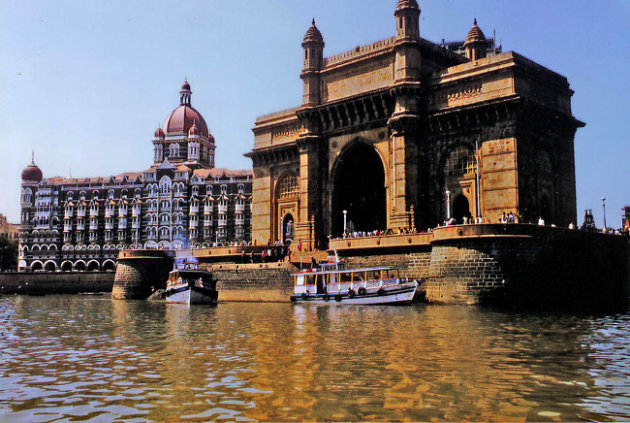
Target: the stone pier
pixel 139 271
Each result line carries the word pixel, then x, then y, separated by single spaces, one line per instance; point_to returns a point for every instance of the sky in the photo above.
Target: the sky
pixel 86 83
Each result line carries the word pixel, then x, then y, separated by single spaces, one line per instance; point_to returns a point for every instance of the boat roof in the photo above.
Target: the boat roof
pixel 331 271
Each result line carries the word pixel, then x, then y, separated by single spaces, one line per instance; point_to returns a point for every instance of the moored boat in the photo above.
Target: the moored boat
pixel 191 286
pixel 333 284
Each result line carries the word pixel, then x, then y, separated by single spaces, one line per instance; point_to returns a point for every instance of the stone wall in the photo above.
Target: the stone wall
pixel 139 272
pixel 56 283
pixel 269 282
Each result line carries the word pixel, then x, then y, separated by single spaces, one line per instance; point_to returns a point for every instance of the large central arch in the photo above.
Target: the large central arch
pixel 359 188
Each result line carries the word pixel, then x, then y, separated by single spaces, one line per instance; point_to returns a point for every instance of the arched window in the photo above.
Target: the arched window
pixel 287 187
pixel 26 195
pixel 195 190
pixel 165 185
pixel 173 150
pixel 461 160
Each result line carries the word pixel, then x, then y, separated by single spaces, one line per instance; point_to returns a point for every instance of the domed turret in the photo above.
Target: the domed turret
pixel 407 19
pixel 32 174
pixel 159 133
pixel 313 35
pixel 183 117
pixel 193 131
pixel 475 43
pixel 407 4
pixel 313 45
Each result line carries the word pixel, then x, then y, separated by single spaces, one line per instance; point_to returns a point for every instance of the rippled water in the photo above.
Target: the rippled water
pixel 87 358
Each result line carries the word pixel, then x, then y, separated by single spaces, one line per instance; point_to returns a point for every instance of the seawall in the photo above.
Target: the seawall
pixel 56 283
pixel 261 282
pixel 506 265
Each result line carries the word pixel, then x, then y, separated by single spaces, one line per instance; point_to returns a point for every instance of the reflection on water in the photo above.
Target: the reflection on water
pixel 87 358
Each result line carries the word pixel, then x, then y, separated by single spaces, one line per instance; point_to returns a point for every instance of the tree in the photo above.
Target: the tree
pixel 8 254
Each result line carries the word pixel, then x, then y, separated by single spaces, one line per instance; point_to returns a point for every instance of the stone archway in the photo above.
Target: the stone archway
pixel 461 208
pixel 359 189
pixel 288 229
pixel 93 266
pixel 66 266
pixel 50 266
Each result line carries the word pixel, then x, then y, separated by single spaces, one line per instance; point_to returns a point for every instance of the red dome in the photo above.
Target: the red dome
pixel 159 133
pixel 181 120
pixel 32 174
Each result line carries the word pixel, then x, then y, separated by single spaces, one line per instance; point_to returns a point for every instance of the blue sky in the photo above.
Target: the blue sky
pixel 86 83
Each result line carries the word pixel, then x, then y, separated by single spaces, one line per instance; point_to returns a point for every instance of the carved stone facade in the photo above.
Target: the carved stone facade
pixel 386 130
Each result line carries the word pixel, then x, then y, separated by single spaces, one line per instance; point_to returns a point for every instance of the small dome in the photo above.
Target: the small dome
pixel 159 133
pixel 185 86
pixel 193 131
pixel 407 4
pixel 313 35
pixel 32 174
pixel 475 35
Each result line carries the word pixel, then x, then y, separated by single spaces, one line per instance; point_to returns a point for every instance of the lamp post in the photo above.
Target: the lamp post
pixel 345 220
pixel 604 206
pixel 448 205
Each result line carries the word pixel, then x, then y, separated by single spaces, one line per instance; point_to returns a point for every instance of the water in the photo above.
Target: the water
pixel 87 358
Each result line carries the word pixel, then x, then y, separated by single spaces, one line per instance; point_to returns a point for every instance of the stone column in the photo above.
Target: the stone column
pixel 404 187
pixel 308 182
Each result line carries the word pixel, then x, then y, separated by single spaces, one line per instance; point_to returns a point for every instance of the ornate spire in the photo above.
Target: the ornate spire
pixel 33 157
pixel 185 93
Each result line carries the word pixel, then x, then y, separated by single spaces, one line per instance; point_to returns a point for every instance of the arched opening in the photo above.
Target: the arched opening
pixel 66 266
pixel 50 266
pixel 37 266
pixel 545 209
pixel 288 229
pixel 359 189
pixel 79 266
pixel 109 266
pixel 461 208
pixel 93 266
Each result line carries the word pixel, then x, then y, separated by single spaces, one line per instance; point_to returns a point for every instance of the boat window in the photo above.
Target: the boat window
pixel 310 279
pixel 375 275
pixel 333 278
pixel 345 277
pixel 389 274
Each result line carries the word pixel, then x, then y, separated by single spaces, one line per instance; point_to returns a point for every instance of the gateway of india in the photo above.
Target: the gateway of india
pixel 404 133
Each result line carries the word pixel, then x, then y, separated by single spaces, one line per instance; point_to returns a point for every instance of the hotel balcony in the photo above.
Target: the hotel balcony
pixel 222 223
pixel 109 212
pixel 222 208
pixel 240 208
pixel 67 227
pixel 135 225
pixel 193 224
pixel 194 209
pixel 239 220
pixel 207 222
pixel 93 226
pixel 80 226
pixel 81 213
pixel 109 226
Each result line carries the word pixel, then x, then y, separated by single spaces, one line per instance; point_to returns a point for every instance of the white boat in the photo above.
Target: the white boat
pixel 191 286
pixel 332 284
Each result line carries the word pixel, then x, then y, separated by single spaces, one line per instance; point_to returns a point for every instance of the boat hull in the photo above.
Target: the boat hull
pixel 388 295
pixel 187 294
